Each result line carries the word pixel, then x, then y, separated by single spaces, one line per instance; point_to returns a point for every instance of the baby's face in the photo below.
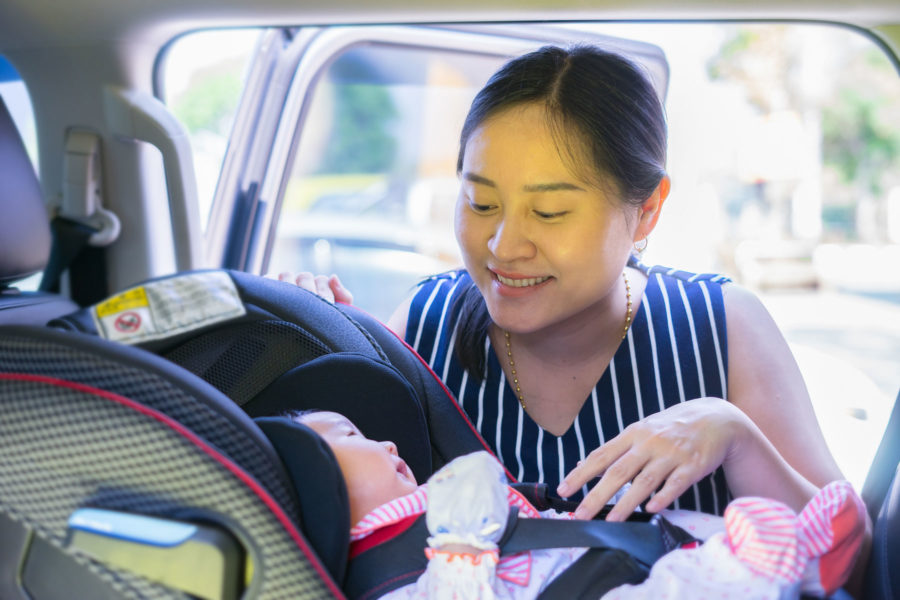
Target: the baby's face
pixel 373 471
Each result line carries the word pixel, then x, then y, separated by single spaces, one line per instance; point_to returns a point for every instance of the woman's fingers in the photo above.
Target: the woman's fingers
pixel 329 288
pixel 341 294
pixel 592 467
pixel 661 456
pixel 676 484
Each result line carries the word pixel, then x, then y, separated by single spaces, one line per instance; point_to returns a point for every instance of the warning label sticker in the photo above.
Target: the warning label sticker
pixel 168 307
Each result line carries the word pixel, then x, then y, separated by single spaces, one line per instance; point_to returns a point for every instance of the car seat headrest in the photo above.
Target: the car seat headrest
pixel 369 392
pixel 324 505
pixel 24 230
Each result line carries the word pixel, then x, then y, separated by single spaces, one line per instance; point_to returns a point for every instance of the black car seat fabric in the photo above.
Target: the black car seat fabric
pixel 24 233
pixel 271 346
pixel 89 423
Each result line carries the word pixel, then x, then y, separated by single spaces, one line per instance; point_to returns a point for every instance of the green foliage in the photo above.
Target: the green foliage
pixel 208 104
pixel 860 136
pixel 360 141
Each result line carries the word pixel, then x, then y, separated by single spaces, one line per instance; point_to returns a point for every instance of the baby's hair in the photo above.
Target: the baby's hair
pixel 298 415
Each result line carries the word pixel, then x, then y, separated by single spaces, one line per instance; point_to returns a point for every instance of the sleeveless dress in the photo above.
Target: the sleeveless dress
pixel 675 351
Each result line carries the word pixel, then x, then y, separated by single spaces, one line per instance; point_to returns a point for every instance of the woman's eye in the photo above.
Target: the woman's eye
pixel 481 208
pixel 550 215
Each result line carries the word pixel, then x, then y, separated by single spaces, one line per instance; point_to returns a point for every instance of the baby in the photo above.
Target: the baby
pixel 761 549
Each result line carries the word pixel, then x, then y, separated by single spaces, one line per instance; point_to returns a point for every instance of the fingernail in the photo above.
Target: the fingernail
pixel 580 513
pixel 563 490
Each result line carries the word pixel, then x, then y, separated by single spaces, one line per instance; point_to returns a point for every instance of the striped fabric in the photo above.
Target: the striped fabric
pixel 764 535
pixel 416 503
pixel 675 351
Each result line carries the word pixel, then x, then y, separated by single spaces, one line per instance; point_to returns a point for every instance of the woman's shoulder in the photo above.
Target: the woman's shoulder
pixel 429 297
pixel 672 273
pixel 446 283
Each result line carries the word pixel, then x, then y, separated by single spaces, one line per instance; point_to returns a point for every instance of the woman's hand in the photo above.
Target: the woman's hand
pixel 329 288
pixel 673 449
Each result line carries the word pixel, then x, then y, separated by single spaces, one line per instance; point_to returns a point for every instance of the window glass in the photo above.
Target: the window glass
pixel 18 103
pixel 202 76
pixel 784 153
pixel 785 160
pixel 373 185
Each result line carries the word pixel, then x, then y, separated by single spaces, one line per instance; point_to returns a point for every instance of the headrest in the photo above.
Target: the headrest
pixel 324 505
pixel 369 392
pixel 24 226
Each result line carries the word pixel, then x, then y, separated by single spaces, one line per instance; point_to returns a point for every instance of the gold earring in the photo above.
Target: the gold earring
pixel 640 245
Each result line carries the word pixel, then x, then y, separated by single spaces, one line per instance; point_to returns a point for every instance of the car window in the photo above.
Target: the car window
pixel 784 154
pixel 373 182
pixel 200 79
pixel 18 103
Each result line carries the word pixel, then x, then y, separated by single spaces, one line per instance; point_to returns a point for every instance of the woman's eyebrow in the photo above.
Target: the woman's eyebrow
pixel 555 186
pixel 474 178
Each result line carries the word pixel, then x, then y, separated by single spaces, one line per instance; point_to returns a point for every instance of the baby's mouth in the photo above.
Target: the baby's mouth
pixel 404 471
pixel 520 283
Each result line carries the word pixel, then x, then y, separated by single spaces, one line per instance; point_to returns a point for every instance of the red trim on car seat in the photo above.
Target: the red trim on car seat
pixel 452 398
pixel 450 395
pixel 381 535
pixel 237 471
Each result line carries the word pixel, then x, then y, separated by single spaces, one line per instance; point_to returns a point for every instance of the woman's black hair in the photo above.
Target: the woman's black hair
pixel 608 122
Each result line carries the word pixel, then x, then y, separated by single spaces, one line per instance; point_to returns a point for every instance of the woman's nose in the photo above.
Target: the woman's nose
pixel 511 241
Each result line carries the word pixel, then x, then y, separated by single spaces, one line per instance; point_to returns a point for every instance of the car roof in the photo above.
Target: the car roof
pixel 28 23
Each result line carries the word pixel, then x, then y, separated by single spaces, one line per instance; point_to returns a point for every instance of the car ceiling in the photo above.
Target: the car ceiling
pixel 26 23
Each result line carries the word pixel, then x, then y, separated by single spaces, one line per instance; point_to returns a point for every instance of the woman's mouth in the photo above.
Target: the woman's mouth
pixel 521 282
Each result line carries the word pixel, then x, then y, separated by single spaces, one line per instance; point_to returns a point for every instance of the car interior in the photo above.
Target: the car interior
pixel 157 160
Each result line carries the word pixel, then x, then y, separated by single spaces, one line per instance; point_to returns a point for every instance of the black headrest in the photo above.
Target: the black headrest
pixel 24 225
pixel 367 391
pixel 324 505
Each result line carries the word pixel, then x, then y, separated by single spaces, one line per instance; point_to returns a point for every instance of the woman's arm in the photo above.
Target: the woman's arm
pixel 765 383
pixel 785 455
pixel 397 321
pixel 767 437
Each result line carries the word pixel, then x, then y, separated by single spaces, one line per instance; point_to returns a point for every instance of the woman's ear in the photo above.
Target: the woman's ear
pixel 651 208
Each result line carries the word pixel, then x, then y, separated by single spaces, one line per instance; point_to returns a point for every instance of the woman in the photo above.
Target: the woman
pixel 573 359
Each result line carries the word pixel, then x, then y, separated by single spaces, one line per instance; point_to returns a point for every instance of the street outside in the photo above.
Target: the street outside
pixel 848 349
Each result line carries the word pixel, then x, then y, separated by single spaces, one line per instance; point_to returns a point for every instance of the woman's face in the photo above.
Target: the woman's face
pixel 544 247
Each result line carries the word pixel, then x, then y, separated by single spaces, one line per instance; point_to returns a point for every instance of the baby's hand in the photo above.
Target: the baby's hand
pixel 467 503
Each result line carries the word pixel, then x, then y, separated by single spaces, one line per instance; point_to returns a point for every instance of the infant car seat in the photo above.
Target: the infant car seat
pixel 271 346
pixel 123 475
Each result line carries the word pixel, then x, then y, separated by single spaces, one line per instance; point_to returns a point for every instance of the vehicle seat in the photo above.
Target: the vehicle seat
pixel 25 237
pixel 98 437
pixel 277 347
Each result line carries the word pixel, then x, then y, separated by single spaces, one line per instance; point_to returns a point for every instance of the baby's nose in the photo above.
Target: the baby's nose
pixel 391 447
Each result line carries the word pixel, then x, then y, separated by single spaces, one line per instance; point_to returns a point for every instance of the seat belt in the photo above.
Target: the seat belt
pixel 81 227
pixel 634 546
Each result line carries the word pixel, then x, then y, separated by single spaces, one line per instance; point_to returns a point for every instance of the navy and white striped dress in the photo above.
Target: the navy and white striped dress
pixel 675 350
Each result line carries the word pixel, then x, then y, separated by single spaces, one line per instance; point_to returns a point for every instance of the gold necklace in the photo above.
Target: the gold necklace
pixel 512 362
